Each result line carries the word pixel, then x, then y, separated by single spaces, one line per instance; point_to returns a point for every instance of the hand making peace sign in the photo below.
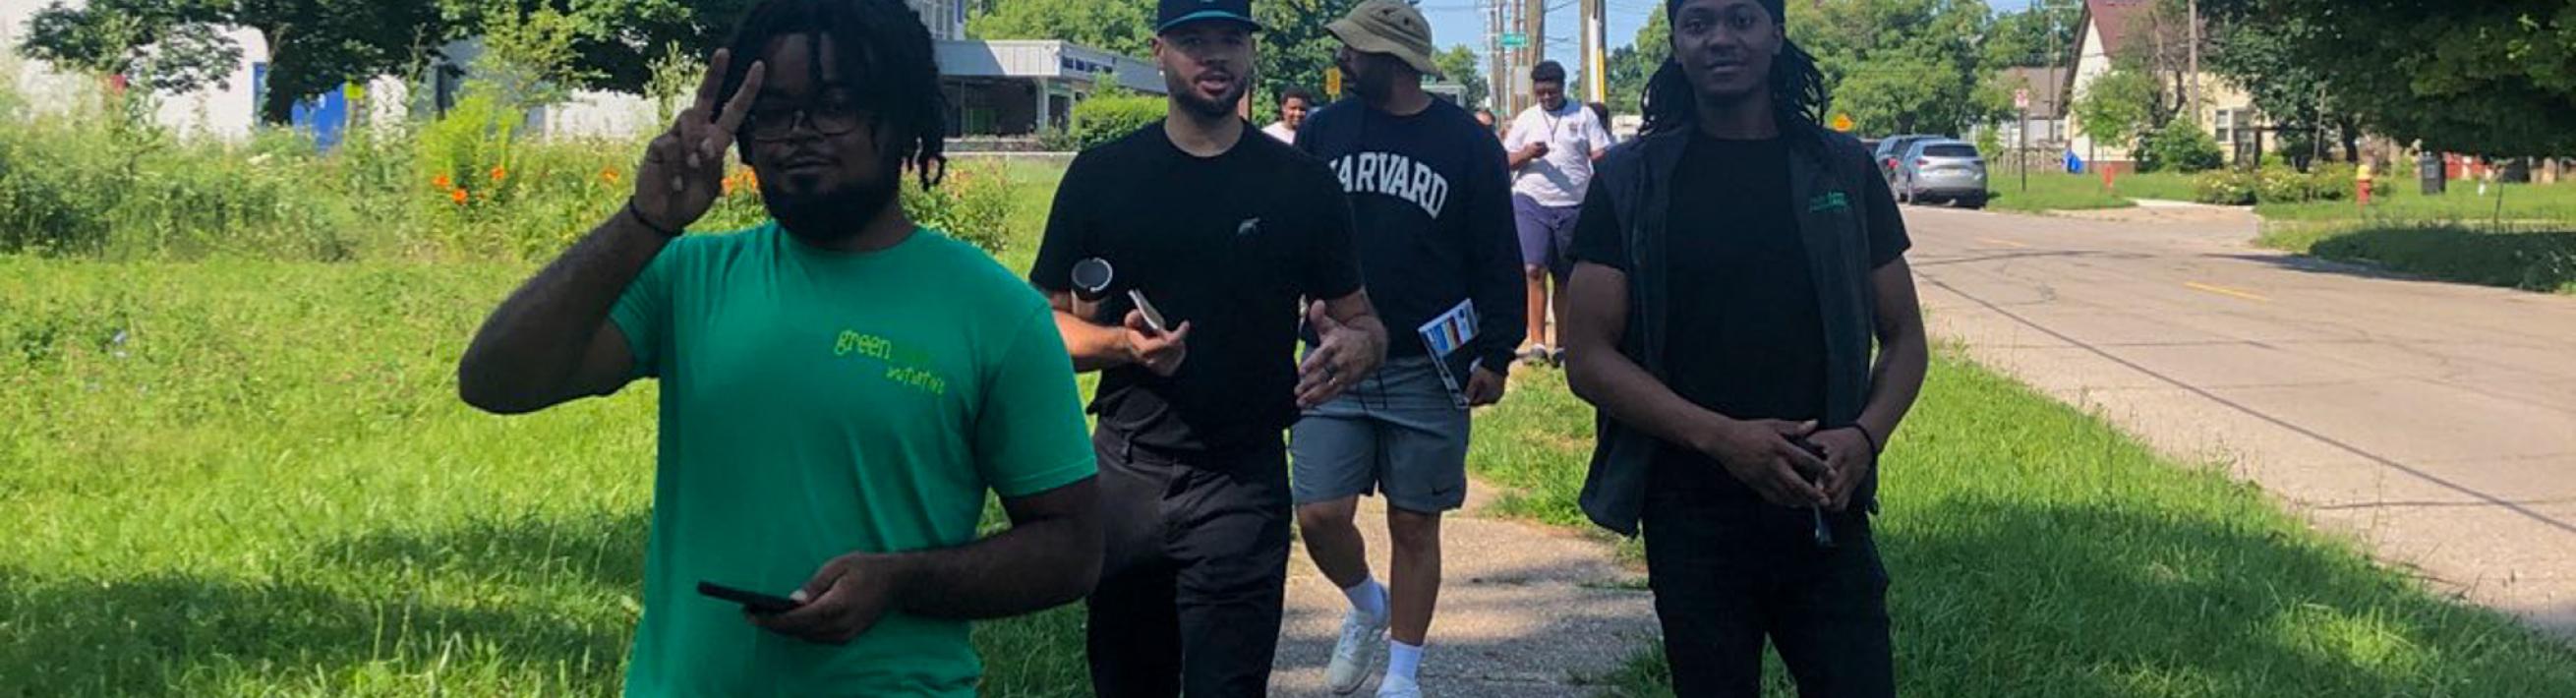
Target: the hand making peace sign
pixel 683 169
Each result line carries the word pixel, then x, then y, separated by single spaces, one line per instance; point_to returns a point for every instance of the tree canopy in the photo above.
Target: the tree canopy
pixel 2495 77
pixel 1899 66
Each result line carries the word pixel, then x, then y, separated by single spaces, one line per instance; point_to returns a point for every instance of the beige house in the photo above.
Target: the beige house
pixel 2118 28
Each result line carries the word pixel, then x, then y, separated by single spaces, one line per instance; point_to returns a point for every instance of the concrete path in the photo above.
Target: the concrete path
pixel 1526 610
pixel 2436 422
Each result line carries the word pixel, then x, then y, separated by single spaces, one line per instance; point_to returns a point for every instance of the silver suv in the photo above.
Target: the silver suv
pixel 1942 169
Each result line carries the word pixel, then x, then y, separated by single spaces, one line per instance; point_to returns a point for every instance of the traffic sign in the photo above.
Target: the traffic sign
pixel 1515 40
pixel 2021 99
pixel 1843 123
pixel 1333 82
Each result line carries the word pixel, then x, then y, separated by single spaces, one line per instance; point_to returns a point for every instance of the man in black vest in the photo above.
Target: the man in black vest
pixel 1735 265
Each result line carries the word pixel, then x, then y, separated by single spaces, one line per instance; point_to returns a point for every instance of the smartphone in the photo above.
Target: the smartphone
pixel 1824 533
pixel 753 601
pixel 1153 318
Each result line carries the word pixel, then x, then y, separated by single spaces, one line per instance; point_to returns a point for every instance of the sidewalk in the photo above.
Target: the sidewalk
pixel 1525 610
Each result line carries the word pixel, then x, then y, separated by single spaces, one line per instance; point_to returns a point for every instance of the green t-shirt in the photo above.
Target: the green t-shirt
pixel 817 403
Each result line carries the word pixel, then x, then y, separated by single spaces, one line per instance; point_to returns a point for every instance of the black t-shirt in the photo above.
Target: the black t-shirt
pixel 1434 207
pixel 1746 334
pixel 1229 244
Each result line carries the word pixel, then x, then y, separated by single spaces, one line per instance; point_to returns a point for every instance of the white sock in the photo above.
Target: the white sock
pixel 1368 596
pixel 1403 659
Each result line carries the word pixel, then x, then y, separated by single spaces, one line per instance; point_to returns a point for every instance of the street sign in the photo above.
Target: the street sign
pixel 2021 99
pixel 1515 40
pixel 1333 82
pixel 1843 123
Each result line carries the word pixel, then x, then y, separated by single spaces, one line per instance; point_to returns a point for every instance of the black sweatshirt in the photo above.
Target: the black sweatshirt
pixel 1431 204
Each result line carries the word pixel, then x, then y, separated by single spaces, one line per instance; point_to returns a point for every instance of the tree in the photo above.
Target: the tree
pixel 1898 66
pixel 1118 26
pixel 2494 78
pixel 1460 65
pixel 314 45
pixel 1632 65
pixel 151 42
pixel 2040 35
pixel 1295 48
pixel 2117 107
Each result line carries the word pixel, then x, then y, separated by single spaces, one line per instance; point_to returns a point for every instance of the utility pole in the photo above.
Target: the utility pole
pixel 1596 54
pixel 1533 23
pixel 1497 66
pixel 2194 20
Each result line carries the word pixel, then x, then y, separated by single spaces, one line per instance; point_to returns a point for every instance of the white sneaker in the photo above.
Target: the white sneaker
pixel 1355 655
pixel 1398 687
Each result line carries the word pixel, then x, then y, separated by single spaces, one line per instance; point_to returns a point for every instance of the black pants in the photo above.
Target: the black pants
pixel 1191 593
pixel 1726 574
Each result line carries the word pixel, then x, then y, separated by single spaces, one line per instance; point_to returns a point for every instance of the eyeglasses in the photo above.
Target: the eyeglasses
pixel 830 118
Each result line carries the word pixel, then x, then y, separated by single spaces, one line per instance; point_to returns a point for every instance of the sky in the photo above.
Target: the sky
pixel 1455 22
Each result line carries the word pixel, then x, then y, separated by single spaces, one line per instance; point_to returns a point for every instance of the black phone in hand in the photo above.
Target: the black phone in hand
pixel 755 602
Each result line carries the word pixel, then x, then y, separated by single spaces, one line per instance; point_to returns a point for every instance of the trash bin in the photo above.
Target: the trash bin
pixel 2435 176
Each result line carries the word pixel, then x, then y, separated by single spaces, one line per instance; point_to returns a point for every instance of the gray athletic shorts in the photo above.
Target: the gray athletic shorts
pixel 1398 432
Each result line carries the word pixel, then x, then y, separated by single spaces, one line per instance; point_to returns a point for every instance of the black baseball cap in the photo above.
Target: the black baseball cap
pixel 1178 12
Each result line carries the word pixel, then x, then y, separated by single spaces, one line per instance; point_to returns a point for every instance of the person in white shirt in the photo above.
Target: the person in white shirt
pixel 1552 146
pixel 1293 105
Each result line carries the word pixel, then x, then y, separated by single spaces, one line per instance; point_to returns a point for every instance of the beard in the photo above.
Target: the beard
pixel 1187 94
pixel 826 216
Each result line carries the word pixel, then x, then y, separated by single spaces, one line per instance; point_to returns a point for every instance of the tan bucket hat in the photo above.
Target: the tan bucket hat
pixel 1390 27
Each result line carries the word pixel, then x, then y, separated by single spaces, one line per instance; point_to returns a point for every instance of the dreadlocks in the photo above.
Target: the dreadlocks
pixel 1798 94
pixel 885 59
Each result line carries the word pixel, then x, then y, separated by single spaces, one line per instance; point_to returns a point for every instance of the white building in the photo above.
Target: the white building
pixel 2111 27
pixel 1010 88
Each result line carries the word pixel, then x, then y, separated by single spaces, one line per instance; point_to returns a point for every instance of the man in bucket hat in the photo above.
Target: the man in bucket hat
pixel 1427 183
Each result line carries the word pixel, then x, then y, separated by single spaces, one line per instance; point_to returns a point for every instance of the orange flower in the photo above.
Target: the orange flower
pixel 608 174
pixel 457 195
pixel 442 183
pixel 498 174
pixel 750 179
pixel 728 186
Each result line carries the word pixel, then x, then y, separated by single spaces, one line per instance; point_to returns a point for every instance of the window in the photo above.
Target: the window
pixel 1960 150
pixel 2226 126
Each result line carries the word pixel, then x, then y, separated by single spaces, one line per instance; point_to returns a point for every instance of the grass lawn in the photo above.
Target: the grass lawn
pixel 2404 202
pixel 2051 192
pixel 2058 191
pixel 2038 551
pixel 2531 259
pixel 253 478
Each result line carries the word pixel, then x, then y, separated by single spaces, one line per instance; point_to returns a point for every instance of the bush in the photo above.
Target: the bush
pixel 2181 146
pixel 462 185
pixel 1102 119
pixel 2225 188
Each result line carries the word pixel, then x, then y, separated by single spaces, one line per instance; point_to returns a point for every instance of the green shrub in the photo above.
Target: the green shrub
pixel 2181 146
pixel 1102 119
pixel 2225 188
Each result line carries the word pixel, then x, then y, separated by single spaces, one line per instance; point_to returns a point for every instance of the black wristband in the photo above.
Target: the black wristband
pixel 631 212
pixel 1875 446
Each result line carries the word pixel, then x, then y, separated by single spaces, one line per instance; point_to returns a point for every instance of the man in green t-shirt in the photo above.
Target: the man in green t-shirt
pixel 839 388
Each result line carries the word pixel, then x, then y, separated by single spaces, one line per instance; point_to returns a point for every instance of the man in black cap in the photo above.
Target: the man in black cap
pixel 1737 266
pixel 1179 260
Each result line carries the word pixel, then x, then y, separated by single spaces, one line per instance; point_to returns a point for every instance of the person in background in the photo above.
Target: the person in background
pixel 1439 254
pixel 840 387
pixel 1551 146
pixel 1294 102
pixel 1738 265
pixel 1485 118
pixel 1601 113
pixel 1228 237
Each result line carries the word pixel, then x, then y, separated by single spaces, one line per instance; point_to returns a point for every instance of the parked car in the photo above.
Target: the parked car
pixel 1943 169
pixel 1891 148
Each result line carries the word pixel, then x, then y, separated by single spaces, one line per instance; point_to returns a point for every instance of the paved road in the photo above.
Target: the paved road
pixel 2437 422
